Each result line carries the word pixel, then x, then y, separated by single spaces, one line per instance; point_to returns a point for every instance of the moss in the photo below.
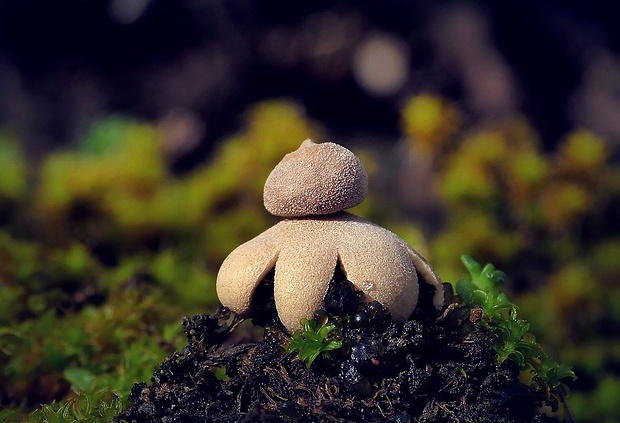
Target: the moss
pixel 85 227
pixel 13 183
pixel 430 121
pixel 512 339
pixel 110 248
pixel 547 218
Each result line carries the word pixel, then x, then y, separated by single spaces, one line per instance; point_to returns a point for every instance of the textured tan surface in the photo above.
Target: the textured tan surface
pixel 314 184
pixel 315 179
pixel 375 262
pixel 242 271
pixel 305 252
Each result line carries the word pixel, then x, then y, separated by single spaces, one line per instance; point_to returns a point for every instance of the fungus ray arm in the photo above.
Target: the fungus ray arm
pixel 243 270
pixel 377 262
pixel 301 280
pixel 428 275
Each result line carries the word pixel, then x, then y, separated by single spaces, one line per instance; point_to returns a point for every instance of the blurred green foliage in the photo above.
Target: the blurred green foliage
pixel 12 163
pixel 103 248
pixel 550 220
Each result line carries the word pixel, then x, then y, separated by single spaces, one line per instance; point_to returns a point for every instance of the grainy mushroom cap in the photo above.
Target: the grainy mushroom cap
pixel 315 179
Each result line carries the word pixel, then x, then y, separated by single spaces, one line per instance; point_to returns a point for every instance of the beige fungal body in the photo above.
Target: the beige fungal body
pixel 305 249
pixel 315 179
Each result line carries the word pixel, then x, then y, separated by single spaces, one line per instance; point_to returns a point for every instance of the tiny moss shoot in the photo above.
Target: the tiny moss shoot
pixel 513 339
pixel 314 339
pixel 100 406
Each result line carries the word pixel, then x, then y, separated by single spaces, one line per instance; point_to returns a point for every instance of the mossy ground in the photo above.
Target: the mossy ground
pixel 436 367
pixel 100 255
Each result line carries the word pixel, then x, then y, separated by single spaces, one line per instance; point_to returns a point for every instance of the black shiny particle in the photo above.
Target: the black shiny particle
pixel 289 408
pixel 373 307
pixel 366 356
pixel 341 298
pixel 320 316
pixel 356 383
pixel 361 319
pixel 378 313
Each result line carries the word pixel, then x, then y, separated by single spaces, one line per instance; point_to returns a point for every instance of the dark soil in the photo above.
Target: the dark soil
pixel 436 367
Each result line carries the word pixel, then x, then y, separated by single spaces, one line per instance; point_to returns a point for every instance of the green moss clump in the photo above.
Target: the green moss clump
pixel 547 219
pixel 13 183
pixel 103 250
pixel 314 339
pixel 118 247
pixel 513 341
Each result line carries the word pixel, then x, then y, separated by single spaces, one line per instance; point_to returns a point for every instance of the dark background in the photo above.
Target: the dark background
pixel 63 64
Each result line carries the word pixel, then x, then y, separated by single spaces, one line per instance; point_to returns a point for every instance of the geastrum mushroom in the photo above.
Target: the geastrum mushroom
pixel 311 187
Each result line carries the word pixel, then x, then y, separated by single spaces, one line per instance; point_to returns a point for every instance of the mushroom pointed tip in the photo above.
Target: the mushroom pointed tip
pixel 307 143
pixel 315 179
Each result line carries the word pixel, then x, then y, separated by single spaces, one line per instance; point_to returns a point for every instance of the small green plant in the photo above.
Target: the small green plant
pixel 314 339
pixel 96 407
pixel 514 341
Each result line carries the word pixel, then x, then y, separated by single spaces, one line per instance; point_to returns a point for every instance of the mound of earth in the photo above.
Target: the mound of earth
pixel 436 367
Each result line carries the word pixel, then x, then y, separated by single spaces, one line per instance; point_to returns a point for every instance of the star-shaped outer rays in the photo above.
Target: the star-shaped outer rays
pixel 311 186
pixel 305 253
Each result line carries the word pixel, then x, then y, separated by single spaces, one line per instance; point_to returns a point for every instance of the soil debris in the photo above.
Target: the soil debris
pixel 435 367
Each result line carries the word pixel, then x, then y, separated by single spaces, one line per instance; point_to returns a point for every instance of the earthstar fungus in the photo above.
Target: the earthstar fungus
pixel 311 187
pixel 316 179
